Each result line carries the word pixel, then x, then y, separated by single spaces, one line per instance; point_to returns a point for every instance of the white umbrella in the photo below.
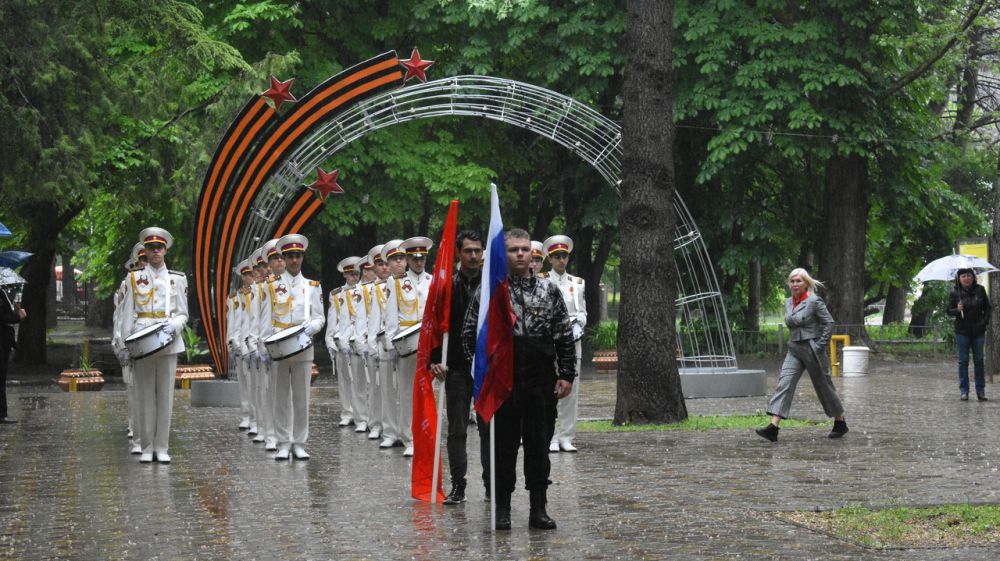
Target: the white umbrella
pixel 945 268
pixel 9 277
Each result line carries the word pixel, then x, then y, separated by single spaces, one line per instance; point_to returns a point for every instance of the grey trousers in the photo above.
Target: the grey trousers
pixel 805 355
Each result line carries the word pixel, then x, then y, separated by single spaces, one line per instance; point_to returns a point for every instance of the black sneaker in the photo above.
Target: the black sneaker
pixel 457 495
pixel 980 396
pixel 769 432
pixel 965 397
pixel 839 429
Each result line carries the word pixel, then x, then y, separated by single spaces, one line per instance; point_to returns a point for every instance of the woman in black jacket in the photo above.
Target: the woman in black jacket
pixel 10 313
pixel 970 306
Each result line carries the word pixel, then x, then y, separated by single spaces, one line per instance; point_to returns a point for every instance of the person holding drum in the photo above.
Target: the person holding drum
pixel 558 248
pixel 264 394
pixel 296 307
pixel 118 345
pixel 154 311
pixel 406 310
pixel 337 358
pixel 394 267
pixel 353 324
pixel 238 308
pixel 253 334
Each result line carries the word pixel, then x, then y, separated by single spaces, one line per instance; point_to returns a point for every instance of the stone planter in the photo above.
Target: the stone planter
pixel 76 380
pixel 188 372
pixel 606 362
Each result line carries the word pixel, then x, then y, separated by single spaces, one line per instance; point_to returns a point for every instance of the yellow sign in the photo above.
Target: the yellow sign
pixel 981 250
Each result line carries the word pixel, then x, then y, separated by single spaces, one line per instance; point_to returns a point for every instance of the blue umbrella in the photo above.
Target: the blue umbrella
pixel 4 232
pixel 13 258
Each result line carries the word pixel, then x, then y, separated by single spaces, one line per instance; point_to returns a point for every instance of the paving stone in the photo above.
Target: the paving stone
pixel 70 490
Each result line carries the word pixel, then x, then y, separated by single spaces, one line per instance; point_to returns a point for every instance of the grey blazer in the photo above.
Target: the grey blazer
pixel 809 320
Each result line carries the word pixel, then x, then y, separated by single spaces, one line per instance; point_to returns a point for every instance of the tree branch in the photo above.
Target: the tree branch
pixel 180 116
pixel 927 64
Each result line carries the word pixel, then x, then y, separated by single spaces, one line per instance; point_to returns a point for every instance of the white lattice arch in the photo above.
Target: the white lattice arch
pixel 703 329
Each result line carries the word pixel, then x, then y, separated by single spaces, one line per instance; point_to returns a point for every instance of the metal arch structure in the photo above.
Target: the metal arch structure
pixel 703 335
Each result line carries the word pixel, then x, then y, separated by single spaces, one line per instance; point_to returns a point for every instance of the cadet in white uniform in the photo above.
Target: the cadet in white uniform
pixel 265 387
pixel 156 295
pixel 537 258
pixel 558 249
pixel 395 267
pixel 137 260
pixel 377 302
pixel 353 328
pixel 237 310
pixel 406 309
pixel 294 300
pixel 368 296
pixel 338 358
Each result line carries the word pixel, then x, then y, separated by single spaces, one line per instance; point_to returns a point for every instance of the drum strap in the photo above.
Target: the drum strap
pixel 407 323
pixel 348 297
pixel 380 297
pixel 281 324
pixel 367 297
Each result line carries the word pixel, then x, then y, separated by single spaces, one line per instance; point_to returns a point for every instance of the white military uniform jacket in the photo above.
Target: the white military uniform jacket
pixel 353 318
pixel 407 298
pixel 153 296
pixel 117 339
pixel 379 346
pixel 573 293
pixel 333 320
pixel 293 300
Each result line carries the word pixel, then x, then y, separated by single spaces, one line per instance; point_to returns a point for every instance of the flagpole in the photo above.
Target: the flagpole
pixel 440 420
pixel 493 478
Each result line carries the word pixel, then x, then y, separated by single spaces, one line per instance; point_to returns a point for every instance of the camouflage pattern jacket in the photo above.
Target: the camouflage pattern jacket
pixel 543 334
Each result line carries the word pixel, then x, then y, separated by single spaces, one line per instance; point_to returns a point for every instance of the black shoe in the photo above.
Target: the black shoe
pixel 839 429
pixel 539 520
pixel 487 498
pixel 769 432
pixel 965 397
pixel 503 518
pixel 980 396
pixel 457 495
pixel 7 420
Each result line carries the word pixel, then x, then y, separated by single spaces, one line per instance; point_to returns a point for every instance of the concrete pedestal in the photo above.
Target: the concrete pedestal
pixel 722 382
pixel 215 393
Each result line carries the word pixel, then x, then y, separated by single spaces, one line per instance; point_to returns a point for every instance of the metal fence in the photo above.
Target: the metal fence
pixel 891 339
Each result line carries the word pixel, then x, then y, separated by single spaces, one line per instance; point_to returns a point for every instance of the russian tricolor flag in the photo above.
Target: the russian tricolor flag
pixel 493 365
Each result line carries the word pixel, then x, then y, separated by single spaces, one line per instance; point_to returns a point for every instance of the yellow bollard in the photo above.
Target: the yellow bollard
pixel 186 384
pixel 846 342
pixel 72 384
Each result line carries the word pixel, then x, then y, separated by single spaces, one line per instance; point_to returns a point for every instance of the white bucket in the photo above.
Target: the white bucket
pixel 855 361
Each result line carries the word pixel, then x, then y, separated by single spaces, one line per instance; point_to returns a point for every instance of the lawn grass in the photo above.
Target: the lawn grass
pixel 902 527
pixel 697 422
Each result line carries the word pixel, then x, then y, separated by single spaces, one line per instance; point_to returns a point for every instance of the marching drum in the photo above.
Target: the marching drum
pixel 148 341
pixel 288 342
pixel 406 341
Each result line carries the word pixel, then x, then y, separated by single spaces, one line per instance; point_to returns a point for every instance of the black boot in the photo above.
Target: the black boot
pixel 981 396
pixel 457 495
pixel 839 429
pixel 503 512
pixel 769 432
pixel 538 518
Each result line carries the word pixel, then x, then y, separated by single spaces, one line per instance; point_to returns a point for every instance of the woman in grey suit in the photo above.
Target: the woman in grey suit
pixel 810 326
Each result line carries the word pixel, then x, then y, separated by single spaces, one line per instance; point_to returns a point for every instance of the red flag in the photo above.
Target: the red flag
pixel 433 328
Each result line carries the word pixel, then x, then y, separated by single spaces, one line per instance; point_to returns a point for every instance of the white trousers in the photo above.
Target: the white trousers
pixel 265 400
pixel 375 381
pixel 154 380
pixel 291 402
pixel 343 384
pixel 389 396
pixel 132 397
pixel 243 377
pixel 359 389
pixel 567 406
pixel 405 371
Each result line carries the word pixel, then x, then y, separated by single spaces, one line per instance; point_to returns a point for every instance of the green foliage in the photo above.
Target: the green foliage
pixel 85 363
pixel 604 336
pixel 192 345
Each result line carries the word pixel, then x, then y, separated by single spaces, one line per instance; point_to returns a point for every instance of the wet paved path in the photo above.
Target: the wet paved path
pixel 69 490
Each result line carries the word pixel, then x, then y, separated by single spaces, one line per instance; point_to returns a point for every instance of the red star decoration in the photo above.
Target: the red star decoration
pixel 415 66
pixel 326 183
pixel 280 92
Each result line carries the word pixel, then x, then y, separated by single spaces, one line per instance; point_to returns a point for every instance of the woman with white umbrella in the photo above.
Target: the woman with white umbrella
pixel 970 306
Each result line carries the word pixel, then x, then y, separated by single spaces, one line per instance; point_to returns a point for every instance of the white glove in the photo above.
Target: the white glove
pixel 263 357
pixel 308 329
pixel 168 328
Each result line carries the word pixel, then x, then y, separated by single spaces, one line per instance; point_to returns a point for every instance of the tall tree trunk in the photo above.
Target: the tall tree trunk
pixel 895 306
pixel 69 296
pixel 649 385
pixel 993 333
pixel 47 222
pixel 842 259
pixel 751 320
